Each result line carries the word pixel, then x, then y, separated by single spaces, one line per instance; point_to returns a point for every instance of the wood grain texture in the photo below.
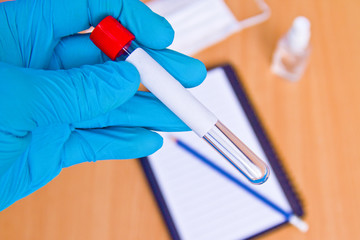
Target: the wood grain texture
pixel 313 123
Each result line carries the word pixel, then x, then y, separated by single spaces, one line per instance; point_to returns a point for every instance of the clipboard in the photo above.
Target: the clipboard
pixel 273 160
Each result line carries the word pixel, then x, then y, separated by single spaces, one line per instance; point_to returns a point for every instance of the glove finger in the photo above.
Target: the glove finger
pixel 142 110
pixel 152 30
pixel 39 164
pixel 191 72
pixel 187 70
pixel 11 148
pixel 109 143
pixel 86 53
pixel 37 97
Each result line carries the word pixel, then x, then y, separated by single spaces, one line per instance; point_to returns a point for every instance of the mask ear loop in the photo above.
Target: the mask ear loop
pixel 257 19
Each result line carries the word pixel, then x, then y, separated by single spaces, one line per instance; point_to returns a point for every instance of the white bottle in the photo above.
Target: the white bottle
pixel 292 51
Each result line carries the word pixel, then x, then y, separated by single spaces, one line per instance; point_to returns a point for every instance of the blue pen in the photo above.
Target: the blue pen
pixel 289 216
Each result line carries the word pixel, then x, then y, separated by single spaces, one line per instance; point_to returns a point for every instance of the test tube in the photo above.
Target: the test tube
pixel 117 42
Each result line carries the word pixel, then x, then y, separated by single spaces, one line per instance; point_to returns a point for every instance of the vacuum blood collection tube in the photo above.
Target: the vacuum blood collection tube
pixel 115 41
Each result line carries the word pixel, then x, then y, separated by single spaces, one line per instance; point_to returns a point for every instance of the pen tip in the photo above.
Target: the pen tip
pixel 299 223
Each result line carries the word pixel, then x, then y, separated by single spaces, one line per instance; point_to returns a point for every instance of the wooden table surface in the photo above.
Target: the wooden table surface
pixel 313 123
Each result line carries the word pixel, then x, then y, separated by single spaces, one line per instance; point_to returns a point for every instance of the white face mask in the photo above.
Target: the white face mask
pixel 199 24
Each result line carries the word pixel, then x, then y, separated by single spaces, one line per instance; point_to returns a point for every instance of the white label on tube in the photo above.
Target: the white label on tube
pixel 169 91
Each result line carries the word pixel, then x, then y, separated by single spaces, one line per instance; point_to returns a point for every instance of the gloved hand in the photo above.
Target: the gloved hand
pixel 60 104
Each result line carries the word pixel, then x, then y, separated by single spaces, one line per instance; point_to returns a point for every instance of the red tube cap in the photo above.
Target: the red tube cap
pixel 111 37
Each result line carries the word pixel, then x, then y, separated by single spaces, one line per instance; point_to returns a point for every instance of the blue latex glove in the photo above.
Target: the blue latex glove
pixel 60 104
